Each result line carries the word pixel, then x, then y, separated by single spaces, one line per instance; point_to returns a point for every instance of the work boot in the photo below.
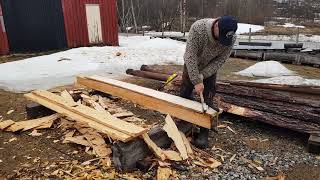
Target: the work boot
pixel 202 141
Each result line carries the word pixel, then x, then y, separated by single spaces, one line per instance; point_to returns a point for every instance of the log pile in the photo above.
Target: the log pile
pixel 293 107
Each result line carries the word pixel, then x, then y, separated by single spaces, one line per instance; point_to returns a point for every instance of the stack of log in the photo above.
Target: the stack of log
pixel 293 107
pixel 293 58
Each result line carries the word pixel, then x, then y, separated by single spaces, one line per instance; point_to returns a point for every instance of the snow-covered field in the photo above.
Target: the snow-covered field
pixel 46 72
pixel 290 25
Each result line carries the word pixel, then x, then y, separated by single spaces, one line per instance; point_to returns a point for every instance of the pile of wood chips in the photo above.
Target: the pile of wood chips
pixel 99 144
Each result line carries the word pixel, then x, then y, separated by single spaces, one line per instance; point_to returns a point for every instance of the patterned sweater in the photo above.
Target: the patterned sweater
pixel 204 55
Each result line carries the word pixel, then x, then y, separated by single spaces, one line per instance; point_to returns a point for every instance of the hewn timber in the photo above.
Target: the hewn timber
pixel 175 106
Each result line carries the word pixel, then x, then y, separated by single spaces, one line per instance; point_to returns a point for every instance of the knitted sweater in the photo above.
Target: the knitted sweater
pixel 204 55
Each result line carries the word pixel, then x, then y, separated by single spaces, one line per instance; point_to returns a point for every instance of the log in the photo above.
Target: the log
pixel 292 57
pixel 269 94
pixel 126 155
pixel 245 54
pixel 184 109
pixel 304 113
pixel 290 94
pixel 304 89
pixel 293 45
pixel 146 74
pixel 167 71
pixel 255 43
pixel 273 119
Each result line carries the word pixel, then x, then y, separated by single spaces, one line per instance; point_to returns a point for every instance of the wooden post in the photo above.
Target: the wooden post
pixel 249 34
pixel 297 38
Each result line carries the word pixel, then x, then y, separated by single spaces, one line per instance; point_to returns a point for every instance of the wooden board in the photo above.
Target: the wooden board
pixel 173 132
pixel 40 123
pixel 157 151
pixel 181 108
pixel 5 124
pixel 113 127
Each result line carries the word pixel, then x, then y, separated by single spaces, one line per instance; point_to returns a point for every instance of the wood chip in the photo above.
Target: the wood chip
pixel 173 132
pixel 5 124
pixel 35 133
pixel 157 151
pixel 13 139
pixel 40 123
pixel 123 115
pixel 232 158
pixel 10 112
pixel 228 127
pixel 187 144
pixel 96 141
pixel 227 122
pixel 65 94
pixel 172 155
pixel 81 140
pixel 318 157
pixel 280 176
pixel 259 168
pixel 163 173
pixel 209 163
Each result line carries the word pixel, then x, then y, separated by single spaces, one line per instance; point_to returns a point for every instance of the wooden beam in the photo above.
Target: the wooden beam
pixel 175 106
pixel 113 127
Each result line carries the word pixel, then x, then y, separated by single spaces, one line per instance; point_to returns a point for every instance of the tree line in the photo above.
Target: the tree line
pixel 180 14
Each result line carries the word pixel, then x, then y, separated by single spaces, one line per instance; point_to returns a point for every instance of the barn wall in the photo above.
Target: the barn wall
pixel 76 22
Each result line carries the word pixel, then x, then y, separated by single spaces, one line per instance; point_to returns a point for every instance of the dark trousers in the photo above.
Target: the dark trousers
pixel 209 88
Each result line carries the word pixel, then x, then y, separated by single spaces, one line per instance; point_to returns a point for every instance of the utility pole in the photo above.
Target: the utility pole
pixel 184 17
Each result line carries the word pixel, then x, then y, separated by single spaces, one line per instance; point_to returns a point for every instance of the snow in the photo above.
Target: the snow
pixel 266 69
pixel 290 25
pixel 290 80
pixel 244 28
pixel 302 38
pixel 45 72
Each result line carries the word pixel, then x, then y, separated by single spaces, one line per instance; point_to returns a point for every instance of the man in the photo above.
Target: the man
pixel 209 45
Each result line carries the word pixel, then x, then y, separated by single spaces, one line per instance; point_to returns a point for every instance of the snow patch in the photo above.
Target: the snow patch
pixel 244 28
pixel 45 72
pixel 266 69
pixel 290 80
pixel 290 25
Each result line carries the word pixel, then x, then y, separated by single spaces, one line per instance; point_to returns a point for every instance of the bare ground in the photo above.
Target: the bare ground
pixel 33 155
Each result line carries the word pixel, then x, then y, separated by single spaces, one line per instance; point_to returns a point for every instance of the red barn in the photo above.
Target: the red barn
pixel 4 49
pixel 42 25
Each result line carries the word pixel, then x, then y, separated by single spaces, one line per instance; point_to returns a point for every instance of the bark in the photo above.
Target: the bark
pixel 149 75
pixel 126 155
pixel 289 110
pixel 273 119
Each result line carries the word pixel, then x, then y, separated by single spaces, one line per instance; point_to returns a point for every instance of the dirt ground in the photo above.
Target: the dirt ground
pixel 33 155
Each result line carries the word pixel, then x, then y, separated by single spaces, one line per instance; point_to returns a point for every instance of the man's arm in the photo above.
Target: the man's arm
pixel 194 46
pixel 215 65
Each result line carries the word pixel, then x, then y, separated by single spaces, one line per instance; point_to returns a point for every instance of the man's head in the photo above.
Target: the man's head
pixel 225 29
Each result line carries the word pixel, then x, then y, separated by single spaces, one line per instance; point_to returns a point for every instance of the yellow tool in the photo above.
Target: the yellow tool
pixel 169 80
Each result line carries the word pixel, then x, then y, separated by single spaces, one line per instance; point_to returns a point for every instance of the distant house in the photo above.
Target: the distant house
pixel 42 25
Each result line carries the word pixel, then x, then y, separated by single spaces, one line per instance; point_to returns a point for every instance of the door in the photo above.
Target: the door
pixel 94 23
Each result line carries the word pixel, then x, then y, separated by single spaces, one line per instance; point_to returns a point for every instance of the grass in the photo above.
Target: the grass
pixel 278 30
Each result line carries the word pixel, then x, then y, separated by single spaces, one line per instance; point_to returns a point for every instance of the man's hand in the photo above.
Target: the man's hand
pixel 199 88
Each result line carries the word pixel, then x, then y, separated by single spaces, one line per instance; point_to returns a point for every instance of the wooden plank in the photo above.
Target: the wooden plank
pixel 67 96
pixel 40 123
pixel 181 108
pixel 186 143
pixel 94 115
pixel 158 151
pixel 173 132
pixel 5 124
pixel 114 134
